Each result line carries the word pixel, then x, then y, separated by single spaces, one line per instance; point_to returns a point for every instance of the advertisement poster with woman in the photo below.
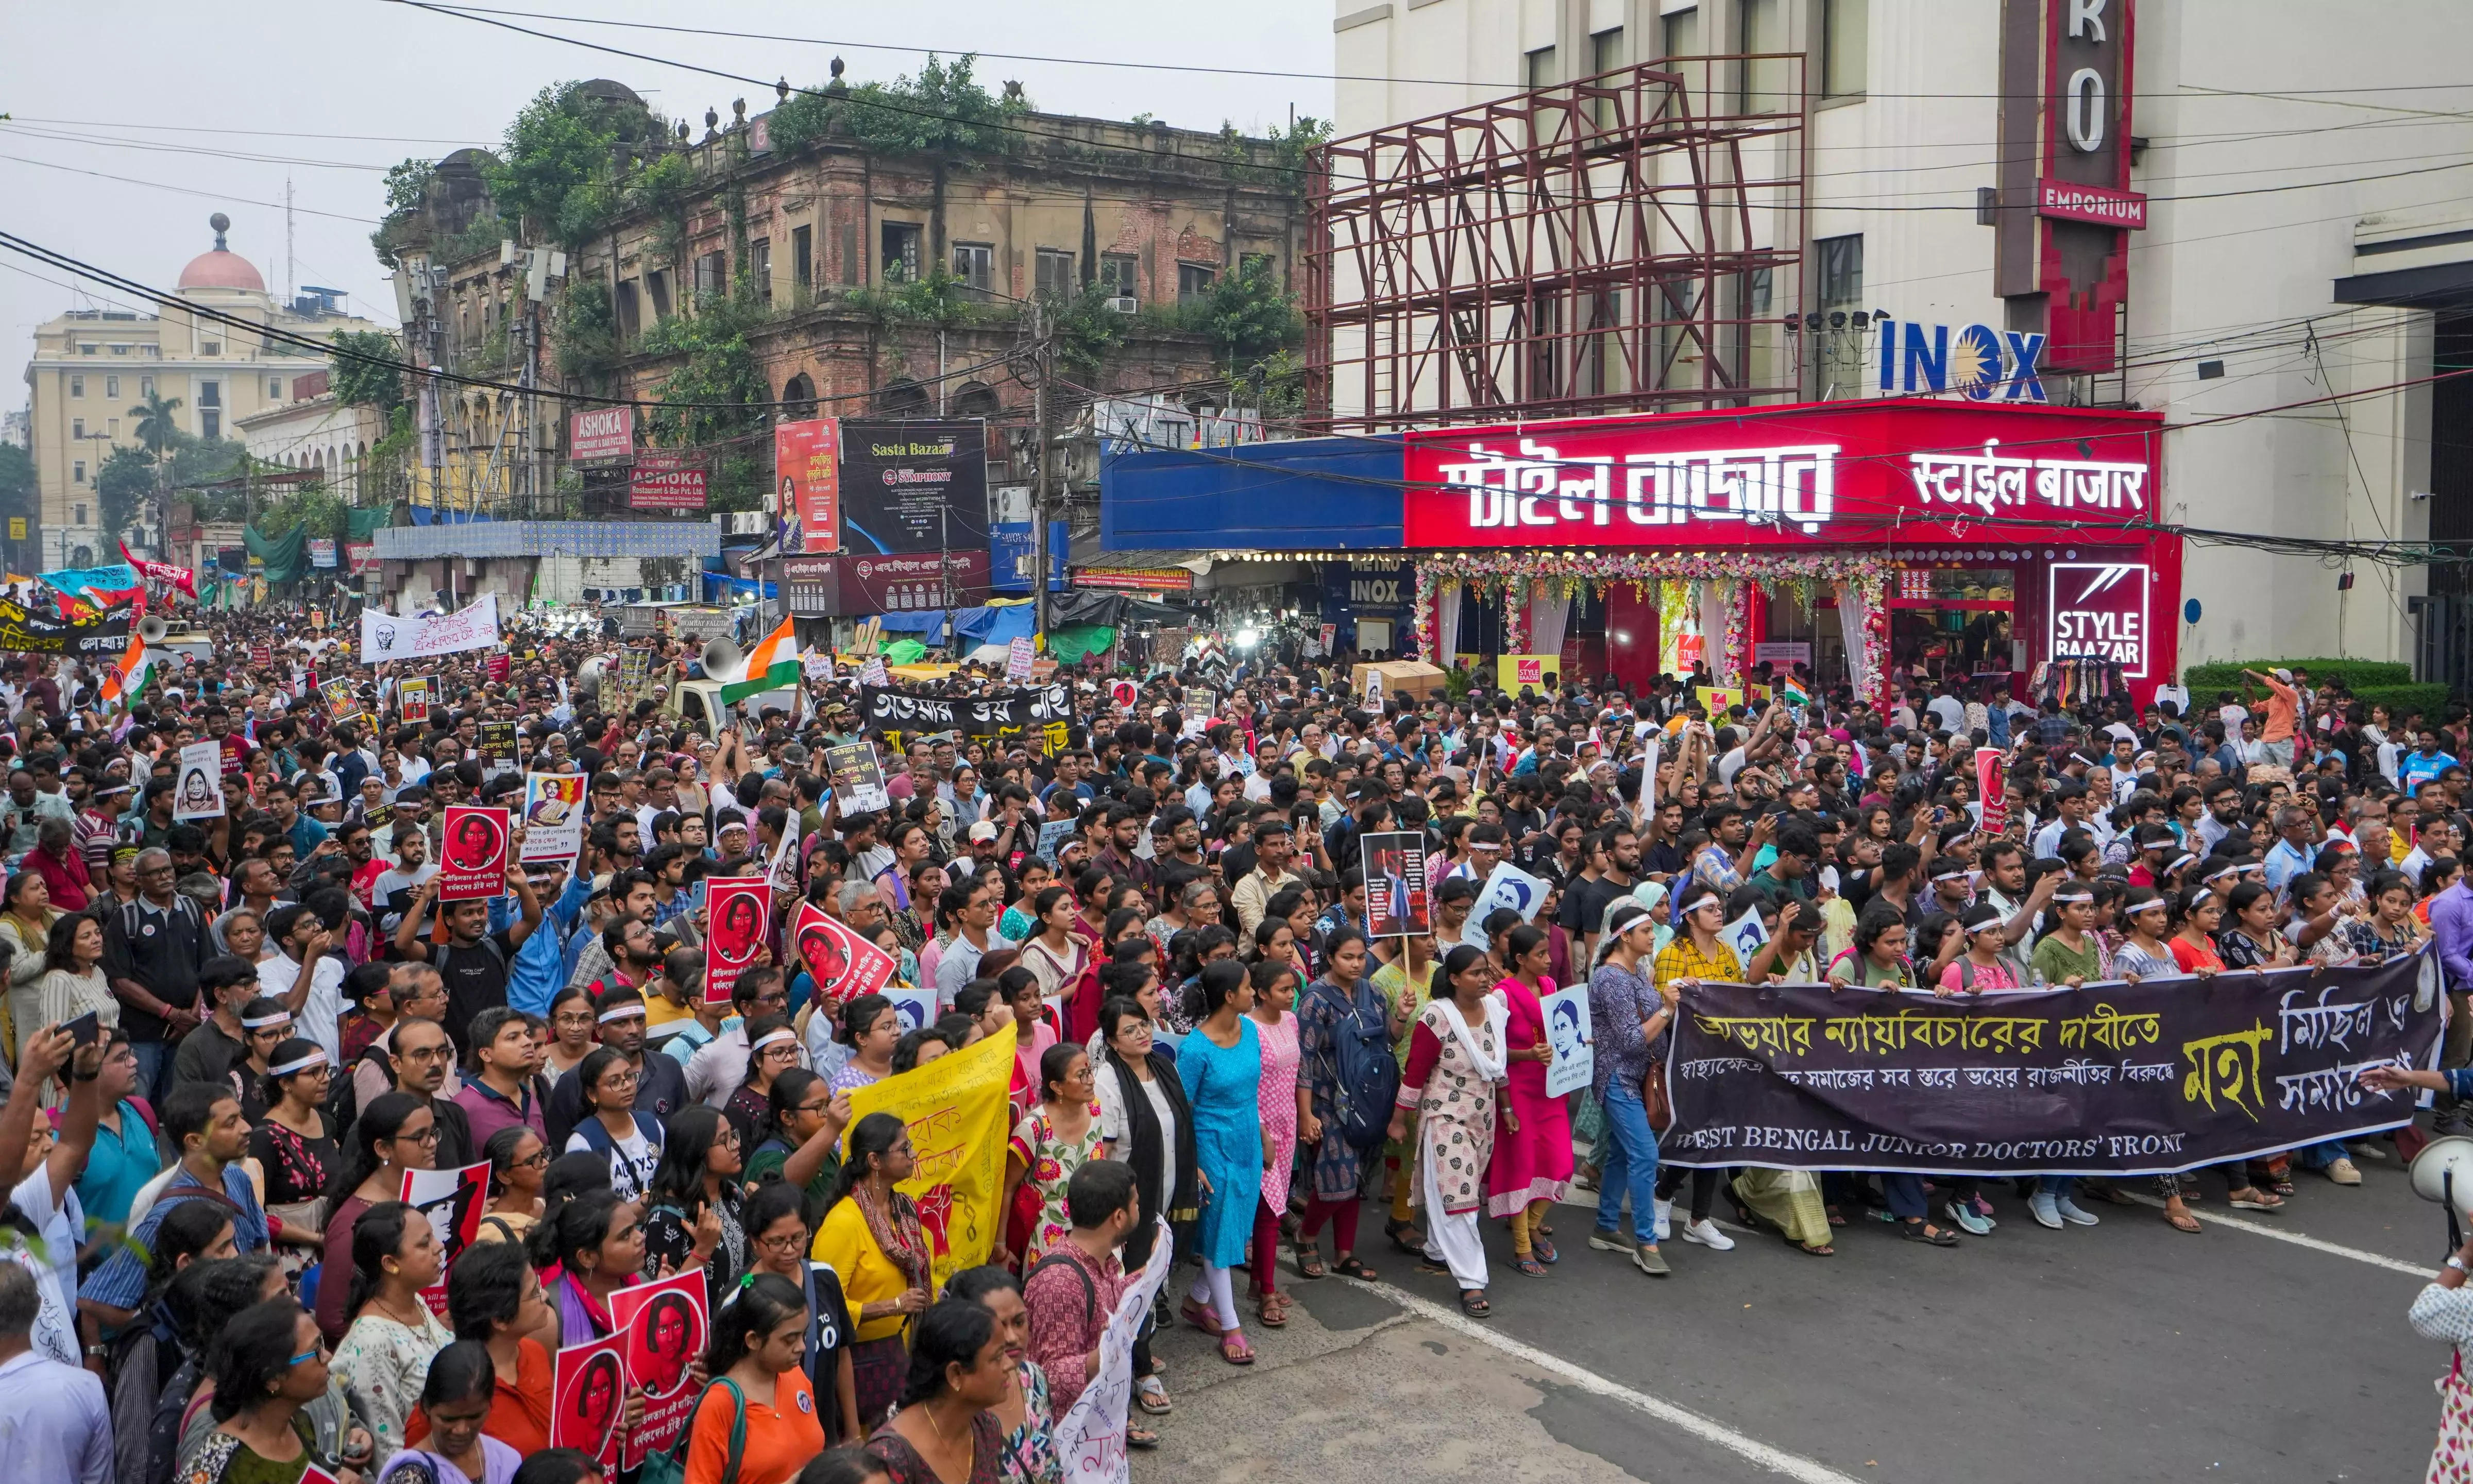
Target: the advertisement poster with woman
pixel 473 860
pixel 553 815
pixel 199 793
pixel 844 964
pixel 588 1400
pixel 661 1327
pixel 738 911
pixel 1566 1031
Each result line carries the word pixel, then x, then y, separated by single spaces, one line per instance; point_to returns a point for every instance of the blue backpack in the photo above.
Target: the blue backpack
pixel 1365 1074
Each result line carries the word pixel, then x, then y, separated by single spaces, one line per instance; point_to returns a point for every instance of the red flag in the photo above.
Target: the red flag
pixel 183 578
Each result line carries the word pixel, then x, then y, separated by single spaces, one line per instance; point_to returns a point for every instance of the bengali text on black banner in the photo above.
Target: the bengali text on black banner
pixel 2109 1079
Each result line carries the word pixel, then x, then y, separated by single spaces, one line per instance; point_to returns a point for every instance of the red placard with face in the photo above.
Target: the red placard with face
pixel 472 862
pixel 845 965
pixel 661 1328
pixel 738 912
pixel 589 1397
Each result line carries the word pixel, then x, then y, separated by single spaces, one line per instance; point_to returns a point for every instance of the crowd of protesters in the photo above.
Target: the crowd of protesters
pixel 228 1037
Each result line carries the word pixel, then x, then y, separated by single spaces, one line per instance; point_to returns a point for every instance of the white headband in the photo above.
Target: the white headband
pixel 279 1018
pixel 303 1063
pixel 767 1040
pixel 2157 905
pixel 622 1011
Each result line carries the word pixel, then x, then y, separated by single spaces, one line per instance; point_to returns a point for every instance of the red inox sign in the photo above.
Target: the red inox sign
pixel 602 433
pixel 1786 476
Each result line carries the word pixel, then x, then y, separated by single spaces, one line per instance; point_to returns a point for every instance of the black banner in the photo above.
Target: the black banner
pixel 914 487
pixel 2110 1078
pixel 24 631
pixel 1042 714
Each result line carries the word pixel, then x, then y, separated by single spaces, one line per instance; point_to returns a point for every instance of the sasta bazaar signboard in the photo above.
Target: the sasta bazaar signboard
pixel 1789 476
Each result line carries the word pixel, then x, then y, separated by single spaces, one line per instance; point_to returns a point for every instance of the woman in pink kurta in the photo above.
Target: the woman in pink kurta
pixel 1532 1167
pixel 1284 1110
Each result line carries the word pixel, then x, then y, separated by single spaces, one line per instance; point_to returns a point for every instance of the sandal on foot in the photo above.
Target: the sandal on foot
pixel 1350 1267
pixel 1824 1250
pixel 2254 1200
pixel 1310 1263
pixel 1926 1232
pixel 2183 1221
pixel 1141 1438
pixel 1152 1397
pixel 1234 1350
pixel 1473 1305
pixel 1530 1266
pixel 1837 1217
pixel 1200 1318
pixel 1434 1267
pixel 1406 1237
pixel 1272 1311
pixel 1545 1250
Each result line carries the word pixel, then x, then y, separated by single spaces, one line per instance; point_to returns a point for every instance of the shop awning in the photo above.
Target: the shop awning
pixel 1339 493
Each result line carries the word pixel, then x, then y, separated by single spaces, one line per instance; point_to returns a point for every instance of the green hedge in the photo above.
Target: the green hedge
pixel 2431 701
pixel 2359 676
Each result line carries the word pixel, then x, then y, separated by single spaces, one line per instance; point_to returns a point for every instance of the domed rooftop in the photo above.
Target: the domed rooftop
pixel 222 268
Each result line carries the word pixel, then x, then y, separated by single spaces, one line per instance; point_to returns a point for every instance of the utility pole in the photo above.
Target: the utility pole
pixel 1038 358
pixel 287 243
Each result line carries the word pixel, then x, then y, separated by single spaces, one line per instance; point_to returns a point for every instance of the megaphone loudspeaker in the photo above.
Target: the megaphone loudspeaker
pixel 153 629
pixel 722 661
pixel 2449 1153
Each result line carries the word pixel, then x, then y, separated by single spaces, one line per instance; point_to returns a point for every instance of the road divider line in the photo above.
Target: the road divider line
pixel 2375 1259
pixel 1794 1466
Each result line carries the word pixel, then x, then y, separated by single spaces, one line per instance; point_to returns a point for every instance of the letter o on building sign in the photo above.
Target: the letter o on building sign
pixel 2085 110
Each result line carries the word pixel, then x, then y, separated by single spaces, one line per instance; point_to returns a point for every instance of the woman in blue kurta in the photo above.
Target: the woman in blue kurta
pixel 1221 1066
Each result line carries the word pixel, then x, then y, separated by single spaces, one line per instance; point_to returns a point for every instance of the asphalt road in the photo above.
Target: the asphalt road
pixel 2126 1351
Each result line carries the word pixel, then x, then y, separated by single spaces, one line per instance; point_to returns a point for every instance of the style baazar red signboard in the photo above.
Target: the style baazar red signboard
pixel 1903 469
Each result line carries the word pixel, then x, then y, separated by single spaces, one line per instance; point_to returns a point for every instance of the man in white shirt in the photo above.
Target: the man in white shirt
pixel 305 945
pixel 55 1426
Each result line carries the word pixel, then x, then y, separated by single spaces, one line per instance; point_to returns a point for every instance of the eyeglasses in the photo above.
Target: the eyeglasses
pixel 536 1159
pixel 427 1135
pixel 316 1351
pixel 787 1242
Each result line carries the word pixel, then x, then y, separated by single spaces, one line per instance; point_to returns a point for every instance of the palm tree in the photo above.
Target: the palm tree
pixel 158 428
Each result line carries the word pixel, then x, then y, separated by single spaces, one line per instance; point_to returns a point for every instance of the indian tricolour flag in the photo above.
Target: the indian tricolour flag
pixel 773 665
pixel 127 678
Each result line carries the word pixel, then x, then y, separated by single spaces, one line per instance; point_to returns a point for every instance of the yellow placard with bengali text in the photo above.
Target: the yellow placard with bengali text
pixel 956 1110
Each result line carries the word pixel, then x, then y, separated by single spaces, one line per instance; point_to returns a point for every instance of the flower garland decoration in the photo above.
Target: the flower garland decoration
pixel 1806 573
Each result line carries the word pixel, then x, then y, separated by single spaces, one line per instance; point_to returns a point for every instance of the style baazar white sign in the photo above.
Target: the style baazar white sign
pixel 2100 613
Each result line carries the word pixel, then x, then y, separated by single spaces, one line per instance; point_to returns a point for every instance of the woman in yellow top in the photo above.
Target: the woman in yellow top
pixel 873 1241
pixel 1697 953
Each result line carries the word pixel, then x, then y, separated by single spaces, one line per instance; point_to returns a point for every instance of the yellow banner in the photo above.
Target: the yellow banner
pixel 1715 698
pixel 956 1107
pixel 1513 671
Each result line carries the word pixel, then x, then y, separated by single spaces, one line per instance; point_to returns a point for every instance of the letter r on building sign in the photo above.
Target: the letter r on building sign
pixel 2086 16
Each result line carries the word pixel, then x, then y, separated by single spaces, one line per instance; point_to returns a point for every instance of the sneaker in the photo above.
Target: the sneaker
pixel 2373 1152
pixel 1604 1240
pixel 1969 1220
pixel 1664 1219
pixel 1649 1260
pixel 2044 1209
pixel 1705 1231
pixel 2074 1214
pixel 2341 1170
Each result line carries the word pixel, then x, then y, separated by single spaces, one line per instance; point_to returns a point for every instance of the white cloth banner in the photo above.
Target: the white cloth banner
pixel 385 636
pixel 1091 1436
pixel 1717 595
pixel 1852 620
pixel 1547 618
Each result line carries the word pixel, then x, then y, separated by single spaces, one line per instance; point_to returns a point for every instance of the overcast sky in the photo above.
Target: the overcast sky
pixel 153 77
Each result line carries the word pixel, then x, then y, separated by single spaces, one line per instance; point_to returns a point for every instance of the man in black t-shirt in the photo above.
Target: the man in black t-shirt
pixel 473 961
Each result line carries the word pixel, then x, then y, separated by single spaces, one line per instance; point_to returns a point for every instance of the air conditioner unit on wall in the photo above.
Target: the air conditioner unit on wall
pixel 1124 303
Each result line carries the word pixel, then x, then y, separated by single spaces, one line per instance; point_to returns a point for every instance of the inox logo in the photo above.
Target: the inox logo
pixel 1374 592
pixel 1974 362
